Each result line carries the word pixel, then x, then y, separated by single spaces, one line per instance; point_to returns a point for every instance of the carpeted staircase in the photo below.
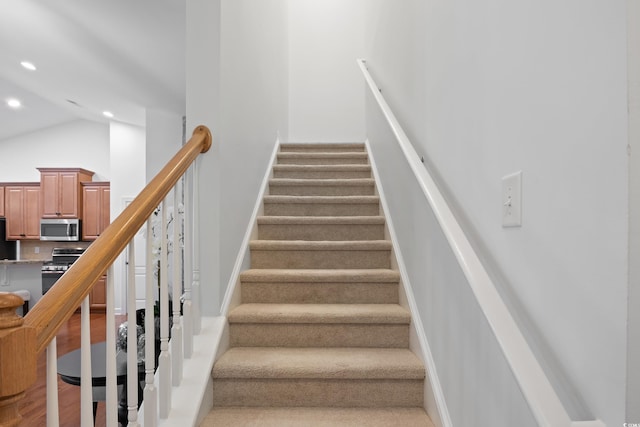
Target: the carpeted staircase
pixel 319 339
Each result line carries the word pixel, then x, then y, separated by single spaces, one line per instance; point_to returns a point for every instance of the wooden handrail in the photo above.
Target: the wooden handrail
pixel 21 340
pixel 61 301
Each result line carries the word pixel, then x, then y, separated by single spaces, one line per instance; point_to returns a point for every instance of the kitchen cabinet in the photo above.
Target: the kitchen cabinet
pixel 62 192
pixel 1 200
pixel 96 205
pixel 22 210
pixel 98 295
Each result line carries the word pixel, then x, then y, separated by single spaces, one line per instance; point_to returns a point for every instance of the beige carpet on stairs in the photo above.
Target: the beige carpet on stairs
pixel 319 338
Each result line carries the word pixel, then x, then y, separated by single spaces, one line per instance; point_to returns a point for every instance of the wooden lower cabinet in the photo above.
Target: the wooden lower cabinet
pixel 98 295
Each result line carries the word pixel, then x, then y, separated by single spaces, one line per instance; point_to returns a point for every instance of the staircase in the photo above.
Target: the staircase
pixel 319 339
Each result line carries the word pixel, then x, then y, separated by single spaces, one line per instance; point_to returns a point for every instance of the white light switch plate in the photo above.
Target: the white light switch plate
pixel 512 200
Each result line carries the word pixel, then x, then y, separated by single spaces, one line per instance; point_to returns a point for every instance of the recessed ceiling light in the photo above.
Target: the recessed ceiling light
pixel 14 103
pixel 108 114
pixel 28 65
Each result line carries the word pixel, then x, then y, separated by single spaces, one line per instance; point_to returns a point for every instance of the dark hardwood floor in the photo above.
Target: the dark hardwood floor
pixel 33 407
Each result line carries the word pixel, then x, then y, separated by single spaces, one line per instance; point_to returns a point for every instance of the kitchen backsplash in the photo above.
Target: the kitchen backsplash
pixel 41 250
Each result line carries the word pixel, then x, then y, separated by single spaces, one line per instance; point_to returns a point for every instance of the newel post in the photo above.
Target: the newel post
pixel 17 359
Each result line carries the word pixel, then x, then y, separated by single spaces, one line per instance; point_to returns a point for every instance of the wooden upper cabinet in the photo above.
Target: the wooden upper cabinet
pixel 15 212
pixel 32 212
pixel 96 206
pixel 1 200
pixel 62 192
pixel 22 209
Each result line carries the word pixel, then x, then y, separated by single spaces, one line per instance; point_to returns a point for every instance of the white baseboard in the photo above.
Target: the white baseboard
pixel 434 400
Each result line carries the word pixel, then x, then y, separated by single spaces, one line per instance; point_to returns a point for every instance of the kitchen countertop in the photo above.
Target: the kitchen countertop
pixel 20 262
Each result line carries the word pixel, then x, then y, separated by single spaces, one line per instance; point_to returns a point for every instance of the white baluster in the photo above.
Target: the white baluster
pixel 195 288
pixel 176 328
pixel 132 340
pixel 164 363
pixel 187 313
pixel 111 400
pixel 53 417
pixel 150 391
pixel 86 389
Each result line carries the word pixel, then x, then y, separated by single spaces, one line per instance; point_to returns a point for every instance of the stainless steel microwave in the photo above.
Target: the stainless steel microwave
pixel 60 230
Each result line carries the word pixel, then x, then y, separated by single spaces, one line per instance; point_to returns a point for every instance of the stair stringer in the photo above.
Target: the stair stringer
pixel 434 400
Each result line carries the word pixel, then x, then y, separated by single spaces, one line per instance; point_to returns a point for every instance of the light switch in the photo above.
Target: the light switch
pixel 512 200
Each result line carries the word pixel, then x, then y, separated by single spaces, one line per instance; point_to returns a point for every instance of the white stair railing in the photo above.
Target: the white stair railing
pixel 187 308
pixel 86 390
pixel 132 340
pixel 53 413
pixel 164 362
pixel 157 398
pixel 195 287
pixel 150 389
pixel 111 392
pixel 174 347
pixel 176 327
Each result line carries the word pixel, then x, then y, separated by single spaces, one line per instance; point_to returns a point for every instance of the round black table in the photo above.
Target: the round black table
pixel 69 370
pixel 69 366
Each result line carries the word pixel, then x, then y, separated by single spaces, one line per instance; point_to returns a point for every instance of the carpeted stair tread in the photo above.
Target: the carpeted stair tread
pixel 301 182
pixel 321 254
pixel 319 363
pixel 320 313
pixel 322 147
pixel 323 155
pixel 303 245
pixel 320 220
pixel 316 417
pixel 323 199
pixel 319 337
pixel 289 286
pixel 321 171
pixel 321 206
pixel 320 276
pixel 322 187
pixel 322 158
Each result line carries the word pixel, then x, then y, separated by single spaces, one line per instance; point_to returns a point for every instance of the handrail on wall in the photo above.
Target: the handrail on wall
pixel 544 402
pixel 21 340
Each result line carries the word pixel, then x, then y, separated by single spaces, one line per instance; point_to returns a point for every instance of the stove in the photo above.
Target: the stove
pixel 61 260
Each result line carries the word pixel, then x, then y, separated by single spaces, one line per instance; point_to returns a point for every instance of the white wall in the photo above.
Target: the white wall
pixel 163 139
pixel 474 381
pixel 325 87
pixel 253 111
pixel 489 88
pixel 128 169
pixel 203 108
pixel 633 329
pixel 236 71
pixel 80 143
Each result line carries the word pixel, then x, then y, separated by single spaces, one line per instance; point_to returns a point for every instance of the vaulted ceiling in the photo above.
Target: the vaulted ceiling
pixel 122 56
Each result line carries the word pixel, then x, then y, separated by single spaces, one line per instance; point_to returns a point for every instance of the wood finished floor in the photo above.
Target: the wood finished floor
pixel 33 406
